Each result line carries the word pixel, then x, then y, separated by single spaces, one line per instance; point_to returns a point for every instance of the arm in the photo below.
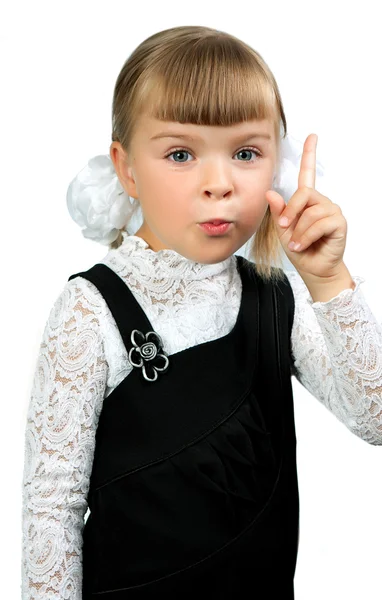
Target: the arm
pixel 65 403
pixel 337 348
pixel 323 292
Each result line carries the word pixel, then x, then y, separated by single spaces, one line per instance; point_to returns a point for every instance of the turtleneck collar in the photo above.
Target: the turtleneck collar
pixel 167 263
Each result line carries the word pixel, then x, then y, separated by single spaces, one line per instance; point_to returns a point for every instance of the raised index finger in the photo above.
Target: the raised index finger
pixel 307 175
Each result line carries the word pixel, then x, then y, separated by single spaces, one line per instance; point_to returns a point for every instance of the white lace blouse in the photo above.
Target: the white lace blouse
pixel 337 347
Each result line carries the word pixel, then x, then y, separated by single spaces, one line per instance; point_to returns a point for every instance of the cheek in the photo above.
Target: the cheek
pixel 255 209
pixel 164 208
pixel 160 185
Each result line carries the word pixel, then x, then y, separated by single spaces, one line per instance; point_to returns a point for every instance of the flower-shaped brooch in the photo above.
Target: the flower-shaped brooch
pixel 147 353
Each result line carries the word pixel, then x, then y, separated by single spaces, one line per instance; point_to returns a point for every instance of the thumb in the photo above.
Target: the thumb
pixel 276 204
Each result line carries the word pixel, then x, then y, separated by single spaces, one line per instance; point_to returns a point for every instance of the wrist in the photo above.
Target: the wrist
pixel 323 289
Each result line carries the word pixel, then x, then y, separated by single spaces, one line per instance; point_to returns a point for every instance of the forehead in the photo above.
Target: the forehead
pixel 151 129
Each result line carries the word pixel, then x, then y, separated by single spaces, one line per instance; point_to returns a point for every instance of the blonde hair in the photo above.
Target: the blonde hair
pixel 199 75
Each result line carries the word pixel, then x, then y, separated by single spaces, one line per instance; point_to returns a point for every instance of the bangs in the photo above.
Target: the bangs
pixel 213 81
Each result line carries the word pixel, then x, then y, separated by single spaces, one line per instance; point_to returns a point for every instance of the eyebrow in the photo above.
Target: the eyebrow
pixel 243 137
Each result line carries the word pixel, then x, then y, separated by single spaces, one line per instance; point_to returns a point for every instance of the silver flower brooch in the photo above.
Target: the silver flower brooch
pixel 147 354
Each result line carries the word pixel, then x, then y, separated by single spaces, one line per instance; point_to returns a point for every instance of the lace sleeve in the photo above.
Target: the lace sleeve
pixel 337 348
pixel 66 400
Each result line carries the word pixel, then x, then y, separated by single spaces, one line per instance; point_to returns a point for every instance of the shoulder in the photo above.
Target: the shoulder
pixel 82 287
pixel 79 302
pixel 73 340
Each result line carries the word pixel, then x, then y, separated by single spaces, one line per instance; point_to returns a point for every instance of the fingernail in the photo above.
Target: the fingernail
pixel 284 221
pixel 294 246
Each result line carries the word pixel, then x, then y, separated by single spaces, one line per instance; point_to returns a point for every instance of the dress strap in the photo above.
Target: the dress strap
pixel 126 310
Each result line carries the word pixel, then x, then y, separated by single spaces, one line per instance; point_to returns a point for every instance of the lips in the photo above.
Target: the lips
pixel 213 229
pixel 216 221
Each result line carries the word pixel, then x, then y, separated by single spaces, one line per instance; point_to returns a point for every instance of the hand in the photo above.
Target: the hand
pixel 314 221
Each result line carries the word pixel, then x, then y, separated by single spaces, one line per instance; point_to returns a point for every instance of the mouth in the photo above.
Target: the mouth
pixel 215 222
pixel 217 227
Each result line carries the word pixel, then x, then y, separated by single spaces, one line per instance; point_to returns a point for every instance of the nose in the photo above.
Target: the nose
pixel 218 179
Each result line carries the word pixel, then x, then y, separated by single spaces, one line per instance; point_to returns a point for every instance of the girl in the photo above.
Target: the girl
pixel 162 399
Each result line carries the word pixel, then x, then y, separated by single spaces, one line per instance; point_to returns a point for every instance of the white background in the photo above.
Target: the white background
pixel 59 62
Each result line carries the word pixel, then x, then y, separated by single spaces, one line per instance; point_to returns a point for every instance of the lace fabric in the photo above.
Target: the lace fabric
pixel 337 354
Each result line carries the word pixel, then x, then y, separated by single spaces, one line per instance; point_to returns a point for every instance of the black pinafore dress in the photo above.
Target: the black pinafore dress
pixel 194 485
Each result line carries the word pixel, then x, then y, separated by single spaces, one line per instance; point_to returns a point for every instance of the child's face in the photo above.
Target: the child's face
pixel 214 176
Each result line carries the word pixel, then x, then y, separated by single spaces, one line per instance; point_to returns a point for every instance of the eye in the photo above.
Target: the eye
pixel 250 149
pixel 177 152
pixel 183 151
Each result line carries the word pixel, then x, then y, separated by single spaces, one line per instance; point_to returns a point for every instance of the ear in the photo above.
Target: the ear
pixel 123 169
